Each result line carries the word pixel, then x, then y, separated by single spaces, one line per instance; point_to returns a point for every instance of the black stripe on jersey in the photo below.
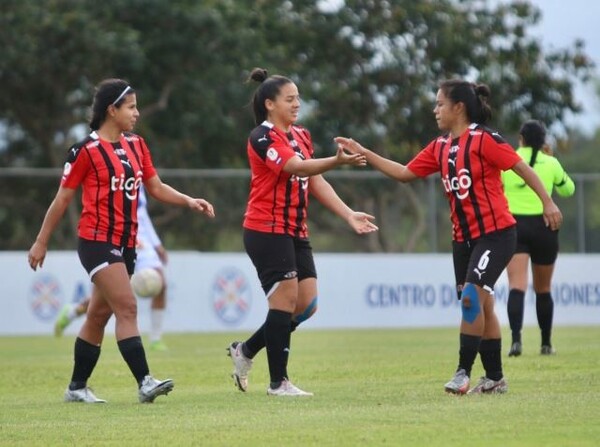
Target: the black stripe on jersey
pixel 301 197
pixel 274 220
pixel 97 201
pixel 127 204
pixel 473 197
pixel 483 182
pixel 289 187
pixel 458 208
pixel 111 193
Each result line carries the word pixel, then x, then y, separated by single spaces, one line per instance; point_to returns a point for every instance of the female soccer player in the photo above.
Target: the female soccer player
pixel 110 165
pixel 534 239
pixel 284 172
pixel 150 253
pixel 469 158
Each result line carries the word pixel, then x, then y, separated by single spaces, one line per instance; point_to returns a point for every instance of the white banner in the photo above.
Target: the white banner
pixel 210 292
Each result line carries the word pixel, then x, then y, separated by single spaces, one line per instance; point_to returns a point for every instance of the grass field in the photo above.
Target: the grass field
pixel 377 387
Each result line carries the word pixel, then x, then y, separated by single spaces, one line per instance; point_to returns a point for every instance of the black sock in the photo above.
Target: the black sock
pixel 515 309
pixel 133 352
pixel 544 307
pixel 86 356
pixel 469 346
pixel 491 358
pixel 277 340
pixel 256 342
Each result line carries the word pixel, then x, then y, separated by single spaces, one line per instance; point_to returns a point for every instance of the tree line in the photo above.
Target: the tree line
pixel 366 68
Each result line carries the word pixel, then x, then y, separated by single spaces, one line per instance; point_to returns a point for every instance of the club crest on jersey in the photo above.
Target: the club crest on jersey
pixel 67 170
pixel 458 184
pixel 273 155
pixel 130 185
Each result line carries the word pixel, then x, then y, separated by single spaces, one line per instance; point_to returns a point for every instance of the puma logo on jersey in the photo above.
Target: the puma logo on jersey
pixel 126 162
pixel 263 138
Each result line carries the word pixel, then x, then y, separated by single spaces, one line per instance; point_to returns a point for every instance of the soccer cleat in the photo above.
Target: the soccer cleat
pixel 152 388
pixel 516 349
pixel 241 365
pixel 158 345
pixel 287 388
pixel 459 383
pixel 62 321
pixel 489 386
pixel 82 395
pixel 547 350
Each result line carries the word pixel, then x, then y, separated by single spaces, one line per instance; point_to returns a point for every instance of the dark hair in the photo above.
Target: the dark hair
pixel 269 88
pixel 108 92
pixel 473 96
pixel 533 133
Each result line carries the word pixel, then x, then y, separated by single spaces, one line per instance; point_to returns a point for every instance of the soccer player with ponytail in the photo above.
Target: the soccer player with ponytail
pixel 110 165
pixel 469 157
pixel 284 175
pixel 535 240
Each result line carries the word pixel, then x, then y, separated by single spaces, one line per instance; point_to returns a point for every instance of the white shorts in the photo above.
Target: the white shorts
pixel 147 257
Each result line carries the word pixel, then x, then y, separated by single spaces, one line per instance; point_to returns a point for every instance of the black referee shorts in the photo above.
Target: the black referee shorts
pixel 482 260
pixel 277 257
pixel 536 239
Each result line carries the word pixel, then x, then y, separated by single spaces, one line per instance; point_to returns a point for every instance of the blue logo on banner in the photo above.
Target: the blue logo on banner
pixel 231 295
pixel 45 298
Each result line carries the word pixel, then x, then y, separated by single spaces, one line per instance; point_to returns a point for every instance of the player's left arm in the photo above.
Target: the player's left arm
pixel 167 194
pixel 324 193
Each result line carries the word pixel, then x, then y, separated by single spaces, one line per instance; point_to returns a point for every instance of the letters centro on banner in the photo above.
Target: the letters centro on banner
pixel 410 295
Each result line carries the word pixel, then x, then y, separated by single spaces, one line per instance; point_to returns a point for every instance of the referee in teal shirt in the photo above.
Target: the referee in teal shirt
pixel 535 240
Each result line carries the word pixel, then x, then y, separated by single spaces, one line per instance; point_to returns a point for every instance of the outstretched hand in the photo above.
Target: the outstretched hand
pixel 354 159
pixel 202 206
pixel 361 222
pixel 354 147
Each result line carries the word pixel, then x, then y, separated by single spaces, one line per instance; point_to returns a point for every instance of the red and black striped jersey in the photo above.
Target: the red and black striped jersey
pixel 278 201
pixel 470 168
pixel 110 175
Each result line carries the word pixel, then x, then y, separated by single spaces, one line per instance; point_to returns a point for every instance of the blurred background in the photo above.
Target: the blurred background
pixel 367 69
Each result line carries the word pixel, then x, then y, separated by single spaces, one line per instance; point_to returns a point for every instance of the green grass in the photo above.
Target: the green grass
pixel 377 387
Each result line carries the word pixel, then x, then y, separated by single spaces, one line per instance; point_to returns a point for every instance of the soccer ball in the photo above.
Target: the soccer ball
pixel 147 283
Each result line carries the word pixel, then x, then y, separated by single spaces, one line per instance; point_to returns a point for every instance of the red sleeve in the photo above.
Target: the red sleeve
pixel 425 162
pixel 498 152
pixel 147 165
pixel 278 153
pixel 76 168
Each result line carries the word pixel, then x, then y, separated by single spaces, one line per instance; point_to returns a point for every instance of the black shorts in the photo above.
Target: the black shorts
pixel 536 239
pixel 277 257
pixel 95 256
pixel 482 260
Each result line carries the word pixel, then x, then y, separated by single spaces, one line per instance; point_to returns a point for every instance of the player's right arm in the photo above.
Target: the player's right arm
pixel 392 169
pixel 56 210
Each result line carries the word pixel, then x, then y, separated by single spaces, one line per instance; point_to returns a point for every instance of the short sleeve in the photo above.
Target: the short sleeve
pixel 75 168
pixel 425 162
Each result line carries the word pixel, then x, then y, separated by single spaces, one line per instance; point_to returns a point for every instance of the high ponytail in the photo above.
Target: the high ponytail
pixel 269 88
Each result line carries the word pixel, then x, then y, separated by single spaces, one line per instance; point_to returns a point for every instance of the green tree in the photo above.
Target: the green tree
pixel 368 69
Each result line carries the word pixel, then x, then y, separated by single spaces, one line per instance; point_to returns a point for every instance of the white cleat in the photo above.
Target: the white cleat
pixel 82 395
pixel 241 365
pixel 287 388
pixel 152 388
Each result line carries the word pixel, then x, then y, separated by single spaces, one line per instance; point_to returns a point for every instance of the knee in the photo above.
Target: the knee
pixel 470 305
pixel 304 314
pixel 126 309
pixel 98 317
